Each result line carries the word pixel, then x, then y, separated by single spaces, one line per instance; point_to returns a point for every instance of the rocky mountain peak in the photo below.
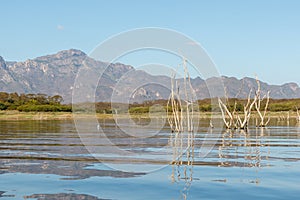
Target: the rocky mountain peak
pixel 294 87
pixel 291 84
pixel 2 63
pixel 70 53
pixel 1 60
pixel 63 55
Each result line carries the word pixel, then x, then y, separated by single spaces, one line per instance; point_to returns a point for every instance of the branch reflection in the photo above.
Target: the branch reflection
pixel 240 148
pixel 183 146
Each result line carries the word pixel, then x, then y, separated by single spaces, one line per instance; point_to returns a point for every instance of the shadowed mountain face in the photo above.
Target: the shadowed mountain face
pixel 55 74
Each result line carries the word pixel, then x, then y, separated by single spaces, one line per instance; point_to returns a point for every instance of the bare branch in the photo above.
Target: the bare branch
pixel 262 116
pixel 222 107
pixel 243 124
pixel 298 115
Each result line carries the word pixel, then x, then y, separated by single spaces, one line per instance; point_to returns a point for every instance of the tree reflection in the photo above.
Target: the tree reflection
pixel 183 147
pixel 245 148
pixel 62 196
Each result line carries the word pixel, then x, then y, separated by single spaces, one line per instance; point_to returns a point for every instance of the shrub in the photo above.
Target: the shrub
pixel 3 106
pixel 205 108
pixel 139 110
pixel 280 107
pixel 44 108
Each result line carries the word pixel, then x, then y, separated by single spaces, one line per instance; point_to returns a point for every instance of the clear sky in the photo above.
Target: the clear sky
pixel 243 38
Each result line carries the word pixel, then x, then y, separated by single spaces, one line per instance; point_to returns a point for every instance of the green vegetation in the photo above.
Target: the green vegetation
pixel 275 105
pixel 205 105
pixel 32 103
pixel 45 103
pixel 135 110
pixel 284 105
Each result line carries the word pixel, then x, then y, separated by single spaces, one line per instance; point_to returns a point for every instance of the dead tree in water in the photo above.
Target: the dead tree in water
pixel 243 124
pixel 298 115
pixel 175 118
pixel 233 120
pixel 189 98
pixel 181 117
pixel 180 113
pixel 262 114
pixel 227 116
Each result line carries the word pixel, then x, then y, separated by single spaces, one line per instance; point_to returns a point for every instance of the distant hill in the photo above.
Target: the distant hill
pixel 55 74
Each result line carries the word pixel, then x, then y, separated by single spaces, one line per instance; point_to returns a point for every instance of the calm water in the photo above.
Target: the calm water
pixel 47 160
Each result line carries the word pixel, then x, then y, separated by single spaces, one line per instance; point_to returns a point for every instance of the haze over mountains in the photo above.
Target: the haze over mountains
pixel 55 74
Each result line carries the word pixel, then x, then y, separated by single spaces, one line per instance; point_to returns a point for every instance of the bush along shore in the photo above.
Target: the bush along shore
pixel 30 106
pixel 33 103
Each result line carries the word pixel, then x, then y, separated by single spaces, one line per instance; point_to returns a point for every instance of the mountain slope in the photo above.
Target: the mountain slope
pixel 56 73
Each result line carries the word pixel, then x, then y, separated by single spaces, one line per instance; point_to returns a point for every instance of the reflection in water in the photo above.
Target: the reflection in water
pixel 183 145
pixel 237 148
pixel 2 195
pixel 69 170
pixel 244 148
pixel 48 147
pixel 62 196
pixel 248 157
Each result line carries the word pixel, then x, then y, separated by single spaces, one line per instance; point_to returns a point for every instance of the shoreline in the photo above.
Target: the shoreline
pixel 16 115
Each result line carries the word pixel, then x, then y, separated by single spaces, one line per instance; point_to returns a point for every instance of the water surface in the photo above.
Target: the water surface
pixel 47 160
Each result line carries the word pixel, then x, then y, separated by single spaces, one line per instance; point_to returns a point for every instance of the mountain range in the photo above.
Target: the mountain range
pixel 55 74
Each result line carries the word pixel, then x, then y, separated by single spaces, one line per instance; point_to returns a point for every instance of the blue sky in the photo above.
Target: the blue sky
pixel 243 38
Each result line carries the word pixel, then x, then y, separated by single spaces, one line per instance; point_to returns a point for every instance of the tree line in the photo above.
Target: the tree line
pixel 33 102
pixel 45 103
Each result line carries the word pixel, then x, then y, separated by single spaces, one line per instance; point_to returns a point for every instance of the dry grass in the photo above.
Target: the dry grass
pixel 16 115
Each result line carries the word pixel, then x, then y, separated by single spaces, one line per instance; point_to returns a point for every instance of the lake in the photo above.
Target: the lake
pixel 50 160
